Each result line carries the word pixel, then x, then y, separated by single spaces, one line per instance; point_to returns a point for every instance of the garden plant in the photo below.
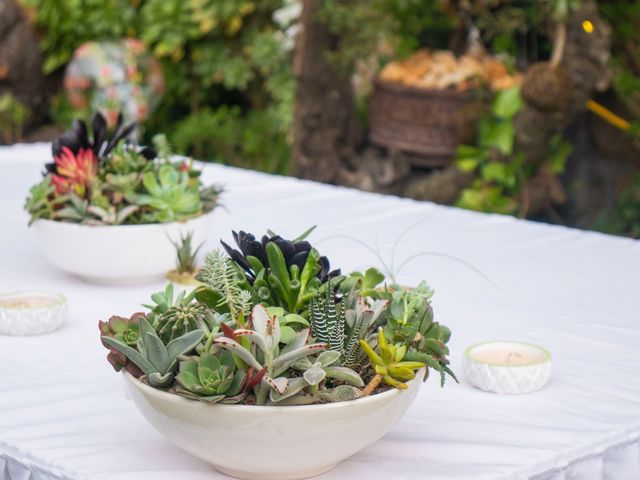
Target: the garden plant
pixel 103 178
pixel 273 324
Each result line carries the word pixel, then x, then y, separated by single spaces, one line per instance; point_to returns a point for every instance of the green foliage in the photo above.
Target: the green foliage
pixel 157 360
pixel 368 28
pixel 211 378
pixel 229 83
pixel 41 202
pixel 170 195
pixel 327 320
pixel 13 116
pixel 121 187
pixel 389 364
pixel 625 16
pixel 500 169
pixel 186 254
pixel 220 276
pixel 259 351
pixel 624 217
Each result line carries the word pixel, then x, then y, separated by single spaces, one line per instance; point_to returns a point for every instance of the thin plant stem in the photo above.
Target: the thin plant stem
pixel 372 385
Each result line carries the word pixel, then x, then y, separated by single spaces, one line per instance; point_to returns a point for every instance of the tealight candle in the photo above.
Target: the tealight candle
pixel 31 313
pixel 507 367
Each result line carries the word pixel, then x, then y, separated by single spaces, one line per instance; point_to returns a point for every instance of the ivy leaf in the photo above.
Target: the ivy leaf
pixel 507 103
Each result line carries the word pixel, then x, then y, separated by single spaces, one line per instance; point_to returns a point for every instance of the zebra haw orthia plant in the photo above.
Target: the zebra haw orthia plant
pixel 272 324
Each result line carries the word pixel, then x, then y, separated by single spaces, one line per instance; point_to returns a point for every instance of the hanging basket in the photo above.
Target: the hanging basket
pixel 423 122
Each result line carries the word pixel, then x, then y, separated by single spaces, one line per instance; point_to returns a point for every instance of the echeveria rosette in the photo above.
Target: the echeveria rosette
pixel 170 195
pixel 211 377
pixel 127 331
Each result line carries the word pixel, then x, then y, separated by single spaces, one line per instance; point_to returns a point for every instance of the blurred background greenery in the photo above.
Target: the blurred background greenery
pixel 230 84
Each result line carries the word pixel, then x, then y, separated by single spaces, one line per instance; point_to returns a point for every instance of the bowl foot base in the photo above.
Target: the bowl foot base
pixel 245 475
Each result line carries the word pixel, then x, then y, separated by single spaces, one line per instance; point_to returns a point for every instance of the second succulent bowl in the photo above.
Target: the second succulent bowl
pixel 120 254
pixel 272 442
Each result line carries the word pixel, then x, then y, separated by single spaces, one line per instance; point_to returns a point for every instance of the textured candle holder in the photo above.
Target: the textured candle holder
pixel 31 313
pixel 517 367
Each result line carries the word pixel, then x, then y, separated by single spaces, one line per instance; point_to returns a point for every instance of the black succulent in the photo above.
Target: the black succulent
pixel 295 252
pixel 100 142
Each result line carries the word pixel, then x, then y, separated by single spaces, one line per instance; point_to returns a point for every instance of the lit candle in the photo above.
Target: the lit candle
pixel 507 367
pixel 31 313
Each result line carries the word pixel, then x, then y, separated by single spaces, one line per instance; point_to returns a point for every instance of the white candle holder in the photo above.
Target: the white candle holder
pixel 507 367
pixel 31 313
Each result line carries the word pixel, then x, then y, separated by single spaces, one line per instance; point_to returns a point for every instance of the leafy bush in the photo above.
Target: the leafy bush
pixel 224 61
pixel 624 217
pixel 13 115
pixel 499 168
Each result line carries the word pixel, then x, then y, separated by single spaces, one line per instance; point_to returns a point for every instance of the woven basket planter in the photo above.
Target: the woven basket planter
pixel 425 123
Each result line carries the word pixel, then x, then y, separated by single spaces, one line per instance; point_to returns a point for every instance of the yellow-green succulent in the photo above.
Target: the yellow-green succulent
pixel 388 364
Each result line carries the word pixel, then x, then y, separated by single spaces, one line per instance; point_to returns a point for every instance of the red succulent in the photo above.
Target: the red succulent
pixel 75 172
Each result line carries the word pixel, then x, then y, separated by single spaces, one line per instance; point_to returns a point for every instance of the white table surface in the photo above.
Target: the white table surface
pixel 63 413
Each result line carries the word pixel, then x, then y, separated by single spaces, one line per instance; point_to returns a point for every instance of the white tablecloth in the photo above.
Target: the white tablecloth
pixel 63 413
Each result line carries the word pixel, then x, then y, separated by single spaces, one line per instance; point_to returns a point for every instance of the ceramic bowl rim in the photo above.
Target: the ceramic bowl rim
pixel 138 227
pixel 172 397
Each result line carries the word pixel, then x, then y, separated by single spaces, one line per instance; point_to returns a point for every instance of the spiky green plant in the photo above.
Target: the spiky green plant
pixel 327 319
pixel 342 324
pixel 186 253
pixel 224 286
pixel 157 360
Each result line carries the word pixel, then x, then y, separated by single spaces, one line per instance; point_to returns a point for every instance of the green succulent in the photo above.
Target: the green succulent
pixel 410 322
pixel 186 254
pixel 279 272
pixel 182 318
pixel 265 338
pixel 389 365
pixel 80 210
pixel 325 366
pixel 127 331
pixel 41 202
pixel 409 312
pixel 341 326
pixel 223 290
pixel 170 195
pixel 157 360
pixel 211 377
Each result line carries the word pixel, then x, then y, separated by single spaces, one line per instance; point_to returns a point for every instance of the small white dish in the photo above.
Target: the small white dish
pixel 31 313
pixel 116 254
pixel 272 442
pixel 507 367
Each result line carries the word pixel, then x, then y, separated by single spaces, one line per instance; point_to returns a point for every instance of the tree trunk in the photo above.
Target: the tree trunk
pixel 21 64
pixel 325 126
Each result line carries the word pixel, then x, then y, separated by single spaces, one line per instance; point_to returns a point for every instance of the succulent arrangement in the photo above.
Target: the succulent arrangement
pixel 99 177
pixel 272 324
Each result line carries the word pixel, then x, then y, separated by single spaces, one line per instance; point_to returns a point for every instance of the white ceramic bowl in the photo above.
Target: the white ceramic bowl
pixel 272 443
pixel 496 376
pixel 116 254
pixel 31 313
